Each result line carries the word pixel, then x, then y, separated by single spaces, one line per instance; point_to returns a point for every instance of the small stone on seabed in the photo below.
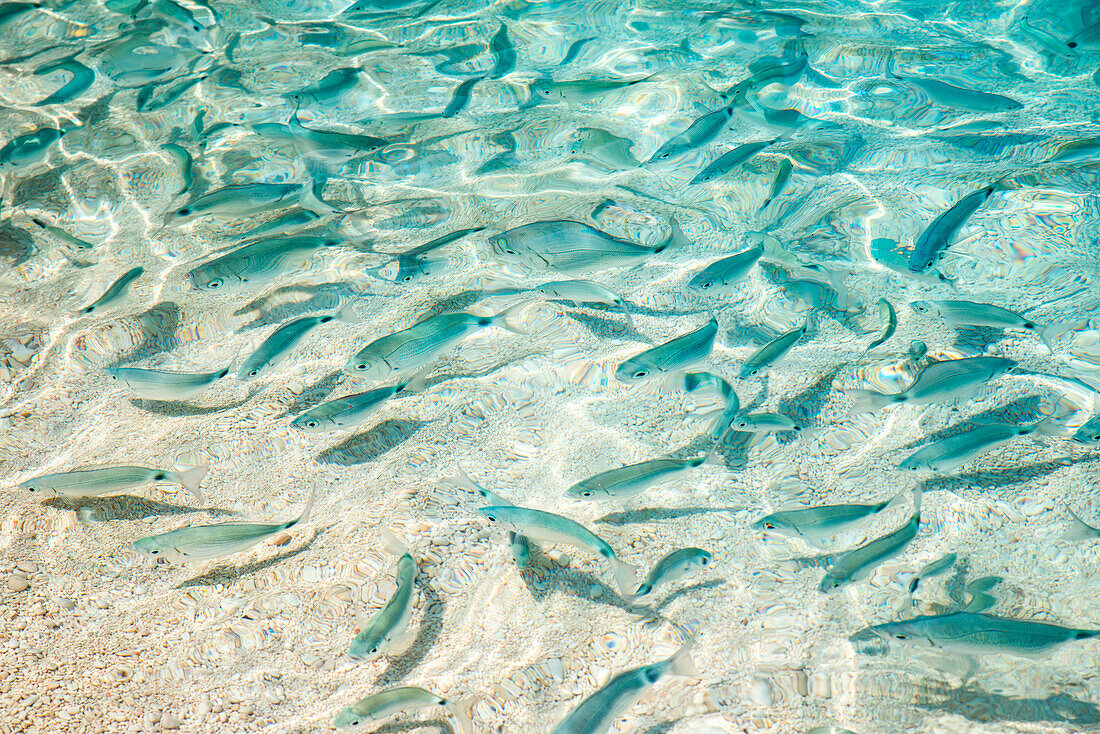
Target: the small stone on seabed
pixel 170 721
pixel 18 583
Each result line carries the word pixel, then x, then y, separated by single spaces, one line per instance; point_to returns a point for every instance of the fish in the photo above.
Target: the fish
pixel 94 482
pixel 198 543
pixel 256 263
pixel 782 176
pixel 460 97
pixel 917 351
pixel 971 633
pixel 967 100
pixel 764 423
pixel 281 225
pixel 952 379
pixel 598 711
pixel 721 277
pixel 580 90
pixel 163 384
pixel 936 238
pixel 969 313
pixel 699 133
pixel 520 545
pixel 682 351
pixel 814 285
pixel 378 706
pixel 934 568
pixel 237 201
pixel 63 235
pixel 26 150
pixel 182 158
pixel 1079 529
pixel 547 527
pixel 81 81
pixel 388 627
pixel 1074 150
pixel 773 351
pixel 150 99
pixel 421 343
pixel 575 49
pixel 343 414
pixel 627 481
pixel 889 319
pixel 329 89
pixel 954 451
pixel 857 564
pixel 328 145
pixel 1088 433
pixel 731 159
pixel 501 47
pixel 115 293
pixel 672 567
pixel 692 381
pixel 573 247
pixel 584 291
pixel 817 523
pixel 10 11
pixel 275 348
pixel 600 146
pixel 410 263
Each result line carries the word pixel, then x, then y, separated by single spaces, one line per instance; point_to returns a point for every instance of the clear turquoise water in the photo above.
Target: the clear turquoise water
pixel 99 638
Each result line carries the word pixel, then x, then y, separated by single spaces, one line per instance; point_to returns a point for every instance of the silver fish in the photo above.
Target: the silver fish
pixel 115 293
pixel 550 528
pixel 278 345
pixel 731 159
pixel 330 88
pixel 460 97
pixel 202 542
pixel 1089 433
pixel 627 481
pixel 580 90
pixel 773 351
pixel 699 133
pixel 954 451
pixel 63 235
pixel 966 632
pixel 349 411
pixel 764 423
pixel 281 225
pixel 598 711
pixel 782 176
pixel 858 563
pixel 388 626
pixel 934 568
pixel 889 318
pixel 584 291
pixel 256 263
pixel 721 277
pixel 692 381
pixel 26 150
pixel 521 546
pixel 1079 529
pixel 969 313
pixel 817 523
pixel 952 379
pixel 936 238
pixel 673 566
pixel 328 145
pixel 683 351
pixel 421 343
pixel 81 81
pixel 572 247
pixel 238 201
pixel 967 100
pixel 186 163
pixel 94 482
pixel 379 706
pixel 162 384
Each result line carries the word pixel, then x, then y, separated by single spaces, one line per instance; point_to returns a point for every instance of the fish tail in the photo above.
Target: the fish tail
pixel 461 712
pixel 868 401
pixel 501 319
pixel 642 590
pixel 626 576
pixel 305 513
pixel 1079 529
pixel 917 492
pixel 346 313
pixel 676 236
pixel 416 382
pixel 222 373
pixel 682 664
pixel 190 480
pixel 1047 427
pixel 392 543
pixel 1051 332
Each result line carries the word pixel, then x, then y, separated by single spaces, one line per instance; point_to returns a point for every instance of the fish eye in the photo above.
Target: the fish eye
pixel 215 284
pixel 491 518
pixel 354 722
pixel 900 636
pixel 769 526
pixel 153 551
pixel 32 489
pixel 586 494
pixel 755 372
pixel 184 211
pixel 641 373
pixel 311 424
pixel 360 366
pixel 253 373
pixel 407 279
pixel 705 284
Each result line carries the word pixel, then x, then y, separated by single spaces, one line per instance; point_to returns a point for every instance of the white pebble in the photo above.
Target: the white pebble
pixel 170 721
pixel 18 583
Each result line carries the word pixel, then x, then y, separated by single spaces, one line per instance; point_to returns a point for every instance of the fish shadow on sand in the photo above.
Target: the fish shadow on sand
pixel 439 726
pixel 650 514
pixel 159 325
pixel 734 449
pixel 684 591
pixel 430 628
pixel 606 328
pixel 316 393
pixel 183 408
pixel 979 705
pixel 663 728
pixel 543 577
pixel 127 507
pixel 805 407
pixel 997 478
pixel 1019 412
pixel 228 574
pixel 368 446
pixel 977 337
pixel 322 297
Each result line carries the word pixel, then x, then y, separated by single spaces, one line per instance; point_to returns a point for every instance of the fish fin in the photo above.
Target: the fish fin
pixel 392 543
pixel 346 313
pixel 462 712
pixel 682 664
pixel 917 493
pixel 629 318
pixel 222 372
pixel 868 401
pixel 1051 332
pixel 305 512
pixel 190 480
pixel 676 236
pixel 416 382
pixel 1049 427
pixel 501 319
pixel 1079 529
pixel 626 576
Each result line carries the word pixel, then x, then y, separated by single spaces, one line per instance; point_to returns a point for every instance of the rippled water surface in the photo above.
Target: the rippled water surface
pixel 146 143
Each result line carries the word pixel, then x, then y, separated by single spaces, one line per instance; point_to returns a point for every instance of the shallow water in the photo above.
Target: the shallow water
pixel 477 131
